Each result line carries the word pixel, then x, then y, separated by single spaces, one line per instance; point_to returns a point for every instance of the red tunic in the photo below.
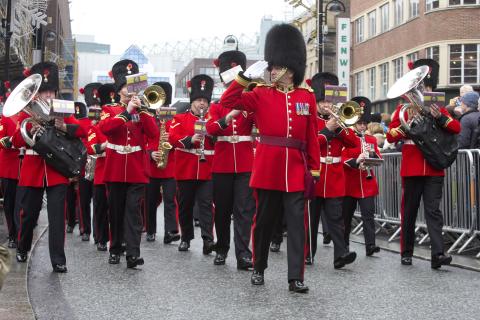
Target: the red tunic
pixel 332 179
pixel 279 114
pixel 188 165
pixel 231 157
pixel 9 160
pixel 152 145
pixel 34 171
pixel 413 162
pixel 356 183
pixel 95 140
pixel 121 132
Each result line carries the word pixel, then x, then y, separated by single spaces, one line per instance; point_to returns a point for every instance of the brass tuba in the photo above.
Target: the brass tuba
pixel 347 114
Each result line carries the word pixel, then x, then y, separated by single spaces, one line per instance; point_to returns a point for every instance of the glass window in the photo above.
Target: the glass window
pixel 460 2
pixel 464 63
pixel 372 83
pixel 413 8
pixel 398 68
pixel 398 11
pixel 384 25
pixel 412 56
pixel 359 30
pixel 372 23
pixel 432 4
pixel 432 53
pixel 359 83
pixel 384 74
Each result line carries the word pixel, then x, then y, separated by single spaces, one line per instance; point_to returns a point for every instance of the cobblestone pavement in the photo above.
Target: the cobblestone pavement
pixel 175 285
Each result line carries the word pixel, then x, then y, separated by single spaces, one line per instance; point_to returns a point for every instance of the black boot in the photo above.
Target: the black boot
pixel 133 262
pixel 441 260
pixel 257 278
pixel 220 259
pixel 297 286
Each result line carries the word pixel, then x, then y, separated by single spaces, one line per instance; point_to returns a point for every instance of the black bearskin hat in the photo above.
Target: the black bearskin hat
pixel 366 106
pixel 201 86
pixel 80 110
pixel 285 47
pixel 230 59
pixel 108 94
pixel 319 81
pixel 431 80
pixel 91 94
pixel 49 72
pixel 121 69
pixel 167 87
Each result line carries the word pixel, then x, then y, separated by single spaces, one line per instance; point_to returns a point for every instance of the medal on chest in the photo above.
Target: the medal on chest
pixel 302 108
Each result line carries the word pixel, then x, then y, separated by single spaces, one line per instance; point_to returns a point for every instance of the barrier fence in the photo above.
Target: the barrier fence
pixel 460 202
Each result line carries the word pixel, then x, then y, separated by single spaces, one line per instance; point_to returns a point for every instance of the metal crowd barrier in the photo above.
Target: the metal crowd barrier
pixel 460 200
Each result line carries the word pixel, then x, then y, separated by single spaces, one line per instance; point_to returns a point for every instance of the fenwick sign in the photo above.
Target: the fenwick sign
pixel 343 52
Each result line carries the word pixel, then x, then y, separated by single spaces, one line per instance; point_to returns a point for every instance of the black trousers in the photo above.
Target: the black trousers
pixel 414 188
pixel 85 189
pixel 280 226
pixel 232 195
pixel 124 202
pixel 100 214
pixel 9 190
pixel 270 204
pixel 30 205
pixel 72 199
pixel 367 210
pixel 200 191
pixel 331 208
pixel 169 188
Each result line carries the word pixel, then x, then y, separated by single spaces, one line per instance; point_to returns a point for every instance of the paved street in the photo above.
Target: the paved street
pixel 174 285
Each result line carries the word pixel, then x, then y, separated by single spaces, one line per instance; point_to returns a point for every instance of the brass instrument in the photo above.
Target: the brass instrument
pixel 90 167
pixel 365 148
pixel 200 128
pixel 164 146
pixel 346 114
pixel 153 97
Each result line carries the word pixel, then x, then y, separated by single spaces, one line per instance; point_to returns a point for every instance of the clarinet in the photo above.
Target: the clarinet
pixel 202 142
pixel 366 149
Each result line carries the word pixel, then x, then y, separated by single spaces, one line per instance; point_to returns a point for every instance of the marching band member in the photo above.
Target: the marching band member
pixel 360 183
pixel 330 188
pixel 125 125
pixel 287 151
pixel 421 180
pixel 46 178
pixel 231 170
pixel 164 179
pixel 193 161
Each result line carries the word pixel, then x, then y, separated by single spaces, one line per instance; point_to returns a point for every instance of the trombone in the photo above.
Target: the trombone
pixel 346 114
pixel 153 97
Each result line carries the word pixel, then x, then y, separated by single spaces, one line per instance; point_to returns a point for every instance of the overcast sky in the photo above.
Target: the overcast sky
pixel 145 22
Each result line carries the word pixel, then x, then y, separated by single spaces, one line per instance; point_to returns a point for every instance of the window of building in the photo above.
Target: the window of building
pixel 432 4
pixel 372 79
pixel 460 2
pixel 432 53
pixel 397 68
pixel 412 56
pixel 384 21
pixel 398 12
pixel 359 83
pixel 413 9
pixel 384 74
pixel 359 30
pixel 464 63
pixel 372 23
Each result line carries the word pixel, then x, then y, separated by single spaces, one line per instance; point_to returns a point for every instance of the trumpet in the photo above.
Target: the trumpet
pixel 365 148
pixel 346 114
pixel 153 97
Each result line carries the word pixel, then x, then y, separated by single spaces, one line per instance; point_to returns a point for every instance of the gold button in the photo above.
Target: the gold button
pixel 288 97
pixel 289 104
pixel 289 119
pixel 234 132
pixel 289 135
pixel 290 128
pixel 289 111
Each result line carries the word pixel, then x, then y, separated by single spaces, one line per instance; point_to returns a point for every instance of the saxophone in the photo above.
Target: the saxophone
pixel 164 146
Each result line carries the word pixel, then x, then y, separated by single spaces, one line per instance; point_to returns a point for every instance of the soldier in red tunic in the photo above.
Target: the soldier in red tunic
pixel 421 180
pixel 287 151
pixel 126 127
pixel 360 182
pixel 193 164
pixel 330 188
pixel 163 178
pixel 36 177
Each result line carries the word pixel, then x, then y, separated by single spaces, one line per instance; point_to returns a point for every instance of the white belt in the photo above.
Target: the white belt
pixel 123 149
pixel 100 155
pixel 234 138
pixel 408 142
pixel 198 151
pixel 330 160
pixel 30 152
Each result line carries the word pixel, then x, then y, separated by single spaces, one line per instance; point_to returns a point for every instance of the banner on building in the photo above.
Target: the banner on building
pixel 343 52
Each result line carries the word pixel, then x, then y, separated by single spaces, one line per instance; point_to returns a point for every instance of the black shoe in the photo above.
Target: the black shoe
pixel 12 244
pixel 347 258
pixel 114 258
pixel 219 259
pixel 150 237
pixel 21 256
pixel 101 246
pixel 244 263
pixel 85 237
pixel 406 261
pixel 297 286
pixel 171 237
pixel 208 246
pixel 70 229
pixel 326 238
pixel 371 249
pixel 441 260
pixel 133 262
pixel 257 278
pixel 196 222
pixel 184 245
pixel 60 268
pixel 274 247
pixel 308 261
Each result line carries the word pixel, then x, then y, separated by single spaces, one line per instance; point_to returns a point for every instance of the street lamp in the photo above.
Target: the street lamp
pixel 230 41
pixel 334 6
pixel 47 36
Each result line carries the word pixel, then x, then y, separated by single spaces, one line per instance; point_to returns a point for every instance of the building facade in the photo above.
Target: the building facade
pixel 388 34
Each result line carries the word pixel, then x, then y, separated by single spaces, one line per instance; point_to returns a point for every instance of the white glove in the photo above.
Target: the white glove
pixel 256 70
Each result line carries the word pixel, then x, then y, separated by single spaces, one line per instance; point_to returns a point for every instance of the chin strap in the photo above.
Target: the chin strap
pixel 280 75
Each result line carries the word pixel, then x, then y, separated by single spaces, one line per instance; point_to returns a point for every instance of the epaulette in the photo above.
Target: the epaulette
pixel 309 89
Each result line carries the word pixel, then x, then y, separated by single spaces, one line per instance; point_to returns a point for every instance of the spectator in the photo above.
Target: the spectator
pixel 374 127
pixel 454 106
pixel 469 118
pixel 386 118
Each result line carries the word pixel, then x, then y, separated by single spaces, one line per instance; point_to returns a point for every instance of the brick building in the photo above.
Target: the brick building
pixel 388 34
